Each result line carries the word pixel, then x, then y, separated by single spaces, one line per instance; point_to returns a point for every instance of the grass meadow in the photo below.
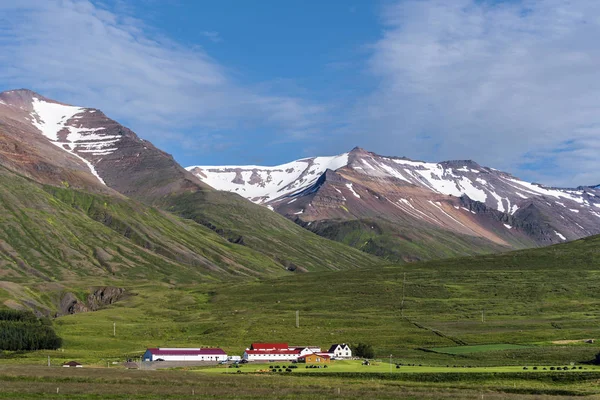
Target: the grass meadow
pixel 460 328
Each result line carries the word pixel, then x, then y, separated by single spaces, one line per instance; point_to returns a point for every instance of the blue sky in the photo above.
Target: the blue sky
pixel 513 84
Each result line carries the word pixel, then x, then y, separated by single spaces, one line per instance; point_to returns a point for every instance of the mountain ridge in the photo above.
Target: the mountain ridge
pixel 80 153
pixel 411 194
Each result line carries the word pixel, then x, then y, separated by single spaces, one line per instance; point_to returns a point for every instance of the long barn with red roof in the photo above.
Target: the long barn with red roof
pixel 185 354
pixel 277 352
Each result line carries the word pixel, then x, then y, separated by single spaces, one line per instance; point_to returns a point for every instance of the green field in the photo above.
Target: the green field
pixel 539 305
pixel 384 367
pixel 27 382
pixel 477 348
pixel 527 305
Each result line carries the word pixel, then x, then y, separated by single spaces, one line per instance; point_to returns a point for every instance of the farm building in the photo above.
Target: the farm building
pixel 277 352
pixel 270 352
pixel 184 354
pixel 72 364
pixel 314 359
pixel 340 351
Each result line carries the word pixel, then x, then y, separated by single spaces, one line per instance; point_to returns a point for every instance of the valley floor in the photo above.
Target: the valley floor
pixel 460 329
pixel 38 382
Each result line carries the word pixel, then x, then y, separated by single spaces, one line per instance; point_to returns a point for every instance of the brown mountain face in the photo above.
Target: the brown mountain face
pixel 81 148
pixel 87 141
pixel 409 209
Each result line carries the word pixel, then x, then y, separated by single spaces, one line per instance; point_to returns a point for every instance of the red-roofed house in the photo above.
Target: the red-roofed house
pixel 184 354
pixel 277 352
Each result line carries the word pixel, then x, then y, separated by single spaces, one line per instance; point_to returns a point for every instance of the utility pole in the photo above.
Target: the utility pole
pixel 48 360
pixel 114 329
pixel 390 363
pixel 482 316
pixel 297 318
pixel 403 292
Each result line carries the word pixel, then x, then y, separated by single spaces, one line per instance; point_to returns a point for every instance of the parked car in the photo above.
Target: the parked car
pixel 222 362
pixel 244 361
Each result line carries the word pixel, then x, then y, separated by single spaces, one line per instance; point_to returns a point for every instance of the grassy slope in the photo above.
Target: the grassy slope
pixel 530 298
pixel 50 234
pixel 397 243
pixel 266 231
pixel 54 236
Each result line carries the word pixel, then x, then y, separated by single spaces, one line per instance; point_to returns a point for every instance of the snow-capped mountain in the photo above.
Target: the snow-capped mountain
pixel 460 196
pixel 92 149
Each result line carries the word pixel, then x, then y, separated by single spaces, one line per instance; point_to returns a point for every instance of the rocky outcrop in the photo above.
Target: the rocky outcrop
pixel 97 299
pixel 104 296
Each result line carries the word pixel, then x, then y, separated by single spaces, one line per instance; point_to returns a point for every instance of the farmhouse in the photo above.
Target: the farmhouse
pixel 340 351
pixel 315 359
pixel 184 354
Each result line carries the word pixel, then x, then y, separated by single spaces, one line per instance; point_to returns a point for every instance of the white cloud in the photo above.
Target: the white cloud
pixel 78 52
pixel 213 36
pixel 514 85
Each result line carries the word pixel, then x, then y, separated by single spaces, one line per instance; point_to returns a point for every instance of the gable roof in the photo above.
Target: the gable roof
pixel 334 346
pixel 269 346
pixel 206 351
pixel 72 363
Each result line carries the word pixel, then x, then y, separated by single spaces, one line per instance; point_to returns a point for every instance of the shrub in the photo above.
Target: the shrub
pixel 363 350
pixel 524 367
pixel 397 366
pixel 552 368
pixel 280 370
pixel 324 366
pixel 288 370
pixel 534 367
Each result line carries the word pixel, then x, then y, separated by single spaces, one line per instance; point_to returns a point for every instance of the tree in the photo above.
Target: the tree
pixel 363 350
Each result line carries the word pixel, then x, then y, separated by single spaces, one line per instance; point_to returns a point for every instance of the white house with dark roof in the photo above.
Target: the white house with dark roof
pixel 340 351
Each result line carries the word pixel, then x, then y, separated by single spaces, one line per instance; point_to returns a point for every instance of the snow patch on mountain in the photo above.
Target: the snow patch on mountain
pixel 52 118
pixel 349 186
pixel 263 184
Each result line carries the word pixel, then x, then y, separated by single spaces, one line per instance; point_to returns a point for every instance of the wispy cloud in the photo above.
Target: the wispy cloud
pixel 212 36
pixel 82 53
pixel 505 83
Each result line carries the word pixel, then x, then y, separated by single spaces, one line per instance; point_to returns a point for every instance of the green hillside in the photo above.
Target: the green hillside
pixel 396 242
pixel 538 307
pixel 51 235
pixel 239 220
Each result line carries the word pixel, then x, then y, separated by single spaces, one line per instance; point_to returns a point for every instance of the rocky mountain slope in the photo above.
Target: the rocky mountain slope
pixel 82 196
pixel 388 205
